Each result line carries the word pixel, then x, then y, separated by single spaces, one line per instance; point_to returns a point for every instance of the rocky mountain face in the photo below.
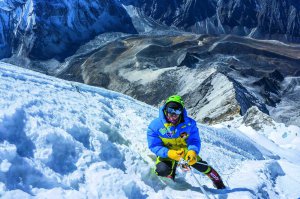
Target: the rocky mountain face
pixel 41 29
pixel 264 19
pixel 254 118
pixel 219 77
pixel 55 29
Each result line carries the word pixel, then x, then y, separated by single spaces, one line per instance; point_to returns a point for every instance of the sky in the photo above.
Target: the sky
pixel 61 139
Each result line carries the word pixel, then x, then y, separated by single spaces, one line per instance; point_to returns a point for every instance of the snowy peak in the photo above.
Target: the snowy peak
pixel 42 30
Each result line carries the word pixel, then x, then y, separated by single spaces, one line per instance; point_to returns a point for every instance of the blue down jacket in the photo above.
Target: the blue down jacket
pixel 162 135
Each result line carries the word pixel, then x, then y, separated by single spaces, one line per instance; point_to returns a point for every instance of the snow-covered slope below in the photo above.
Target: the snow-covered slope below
pixel 61 139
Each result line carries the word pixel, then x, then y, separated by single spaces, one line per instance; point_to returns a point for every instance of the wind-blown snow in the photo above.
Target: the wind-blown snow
pixel 61 139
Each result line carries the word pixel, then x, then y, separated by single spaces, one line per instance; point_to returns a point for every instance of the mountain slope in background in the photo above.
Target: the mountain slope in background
pixel 61 139
pixel 55 29
pixel 263 19
pixel 219 77
pixel 41 30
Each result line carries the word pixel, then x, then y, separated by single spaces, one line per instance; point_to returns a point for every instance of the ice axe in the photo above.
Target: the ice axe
pixel 184 165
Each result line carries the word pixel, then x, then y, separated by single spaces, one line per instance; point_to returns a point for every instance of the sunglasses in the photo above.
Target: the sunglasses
pixel 174 111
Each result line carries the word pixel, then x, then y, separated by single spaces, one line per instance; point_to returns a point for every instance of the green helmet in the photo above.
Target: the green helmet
pixel 175 98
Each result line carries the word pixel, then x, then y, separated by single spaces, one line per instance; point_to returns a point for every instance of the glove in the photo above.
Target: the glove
pixel 191 157
pixel 176 154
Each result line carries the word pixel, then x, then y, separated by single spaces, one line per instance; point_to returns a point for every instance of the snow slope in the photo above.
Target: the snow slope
pixel 61 139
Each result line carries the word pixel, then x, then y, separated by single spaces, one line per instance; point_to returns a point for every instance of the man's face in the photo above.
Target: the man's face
pixel 173 115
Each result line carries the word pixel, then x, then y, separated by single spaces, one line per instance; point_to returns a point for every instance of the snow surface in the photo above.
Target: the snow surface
pixel 61 139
